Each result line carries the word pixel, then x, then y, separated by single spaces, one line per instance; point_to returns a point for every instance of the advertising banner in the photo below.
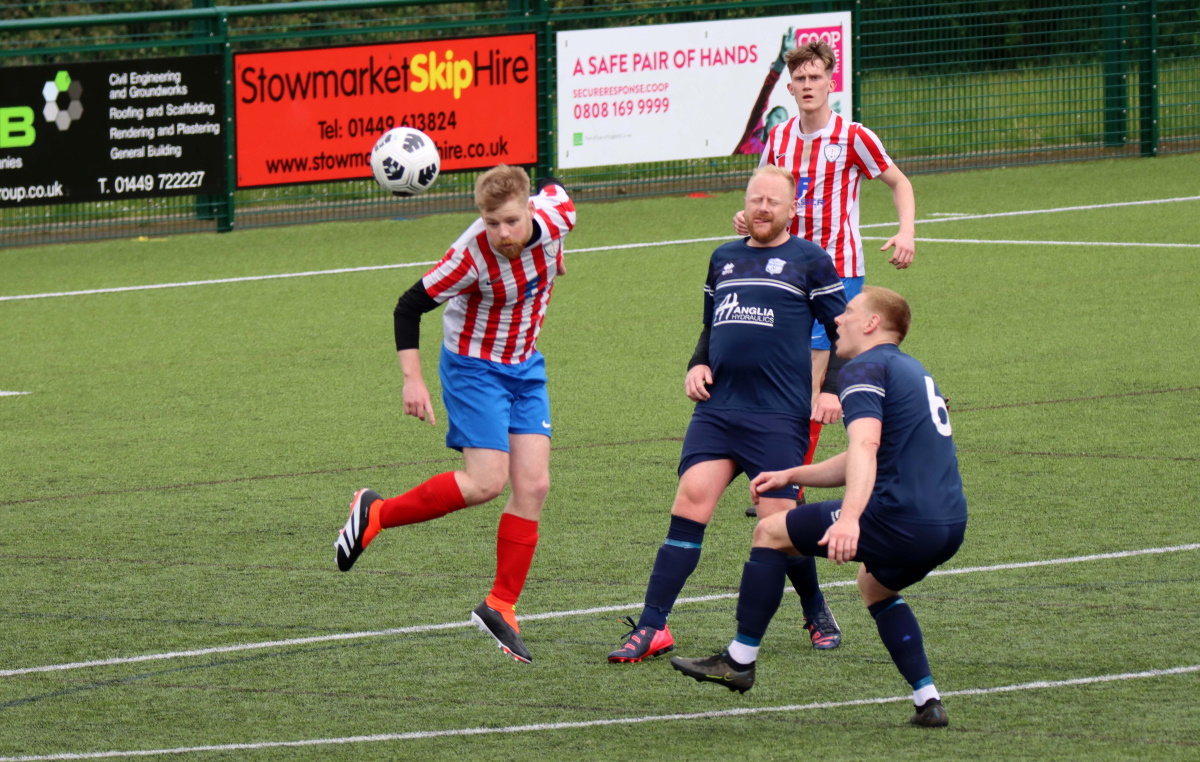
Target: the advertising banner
pixel 111 130
pixel 313 115
pixel 685 91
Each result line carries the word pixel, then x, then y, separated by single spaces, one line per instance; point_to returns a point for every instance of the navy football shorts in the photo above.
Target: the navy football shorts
pixel 755 442
pixel 896 553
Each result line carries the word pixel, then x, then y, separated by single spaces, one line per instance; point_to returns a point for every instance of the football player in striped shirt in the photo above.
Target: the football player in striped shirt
pixel 903 514
pixel 496 282
pixel 749 380
pixel 829 156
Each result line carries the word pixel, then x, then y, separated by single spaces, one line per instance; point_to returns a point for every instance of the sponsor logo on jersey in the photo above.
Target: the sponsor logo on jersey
pixel 727 269
pixel 731 310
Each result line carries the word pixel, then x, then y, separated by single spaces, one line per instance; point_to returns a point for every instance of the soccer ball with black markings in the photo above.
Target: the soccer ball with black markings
pixel 405 161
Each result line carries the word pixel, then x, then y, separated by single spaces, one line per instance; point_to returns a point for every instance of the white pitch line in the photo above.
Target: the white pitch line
pixel 1082 208
pixel 11 394
pixel 550 726
pixel 244 279
pixel 548 615
pixel 1047 243
pixel 617 247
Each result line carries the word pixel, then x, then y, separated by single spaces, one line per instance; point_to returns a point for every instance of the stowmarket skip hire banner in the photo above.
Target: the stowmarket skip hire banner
pixel 313 115
pixel 684 91
pixel 111 130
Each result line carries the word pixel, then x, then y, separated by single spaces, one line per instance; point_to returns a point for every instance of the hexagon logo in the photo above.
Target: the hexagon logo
pixel 64 102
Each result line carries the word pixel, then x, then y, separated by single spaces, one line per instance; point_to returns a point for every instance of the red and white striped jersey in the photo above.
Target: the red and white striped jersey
pixel 496 305
pixel 828 166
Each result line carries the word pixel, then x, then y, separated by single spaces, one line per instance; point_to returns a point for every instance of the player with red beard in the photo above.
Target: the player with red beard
pixel 749 378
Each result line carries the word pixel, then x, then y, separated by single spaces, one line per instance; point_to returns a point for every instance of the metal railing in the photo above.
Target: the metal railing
pixel 947 85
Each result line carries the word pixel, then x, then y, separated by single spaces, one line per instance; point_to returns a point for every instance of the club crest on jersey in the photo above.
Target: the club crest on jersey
pixel 775 265
pixel 731 310
pixel 832 152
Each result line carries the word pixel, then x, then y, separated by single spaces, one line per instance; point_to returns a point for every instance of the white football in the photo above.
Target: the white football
pixel 405 161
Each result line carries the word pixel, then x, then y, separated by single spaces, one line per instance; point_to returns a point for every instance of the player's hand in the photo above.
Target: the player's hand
pixel 841 540
pixel 767 481
pixel 827 410
pixel 699 378
pixel 906 248
pixel 417 403
pixel 739 223
pixel 561 267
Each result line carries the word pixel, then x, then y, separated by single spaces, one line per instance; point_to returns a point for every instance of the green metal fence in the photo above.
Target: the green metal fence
pixel 947 85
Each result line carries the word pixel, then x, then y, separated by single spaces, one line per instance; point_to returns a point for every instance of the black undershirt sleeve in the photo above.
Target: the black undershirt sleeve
pixel 700 356
pixel 830 384
pixel 406 318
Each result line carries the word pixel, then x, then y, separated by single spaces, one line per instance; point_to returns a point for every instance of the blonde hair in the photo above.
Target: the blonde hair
pixel 817 50
pixel 894 312
pixel 499 185
pixel 771 169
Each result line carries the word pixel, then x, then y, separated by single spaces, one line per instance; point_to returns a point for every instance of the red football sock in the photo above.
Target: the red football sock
pixel 516 540
pixel 429 500
pixel 814 436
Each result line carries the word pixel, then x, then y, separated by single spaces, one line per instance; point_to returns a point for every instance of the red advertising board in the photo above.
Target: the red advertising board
pixel 313 115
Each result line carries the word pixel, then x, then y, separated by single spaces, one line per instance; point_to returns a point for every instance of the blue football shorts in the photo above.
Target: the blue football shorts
pixel 853 288
pixel 897 553
pixel 755 442
pixel 486 401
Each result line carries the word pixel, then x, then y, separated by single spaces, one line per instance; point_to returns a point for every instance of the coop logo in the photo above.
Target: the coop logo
pixel 730 310
pixel 63 105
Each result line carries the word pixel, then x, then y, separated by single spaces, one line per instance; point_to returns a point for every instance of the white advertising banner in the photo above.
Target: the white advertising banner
pixel 685 91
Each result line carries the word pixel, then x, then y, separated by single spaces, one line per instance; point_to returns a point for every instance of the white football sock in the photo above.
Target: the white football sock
pixel 921 695
pixel 742 653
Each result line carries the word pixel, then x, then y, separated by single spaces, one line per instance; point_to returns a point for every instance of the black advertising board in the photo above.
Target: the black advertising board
pixel 109 130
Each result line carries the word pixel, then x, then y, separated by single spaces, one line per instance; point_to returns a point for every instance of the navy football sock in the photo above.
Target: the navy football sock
pixel 901 635
pixel 761 592
pixel 802 571
pixel 675 562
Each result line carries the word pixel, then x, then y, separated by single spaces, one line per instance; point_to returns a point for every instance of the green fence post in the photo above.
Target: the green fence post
pixel 201 28
pixel 547 91
pixel 224 202
pixel 856 72
pixel 1114 66
pixel 1148 80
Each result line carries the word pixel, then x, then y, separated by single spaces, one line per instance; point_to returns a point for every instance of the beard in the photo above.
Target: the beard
pixel 509 249
pixel 778 225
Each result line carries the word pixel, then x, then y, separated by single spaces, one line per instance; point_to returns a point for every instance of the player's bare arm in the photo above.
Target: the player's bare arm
pixel 841 539
pixel 906 211
pixel 415 394
pixel 828 473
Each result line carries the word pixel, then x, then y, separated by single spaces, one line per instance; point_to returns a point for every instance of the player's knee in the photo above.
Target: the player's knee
pixel 532 489
pixel 771 532
pixel 484 487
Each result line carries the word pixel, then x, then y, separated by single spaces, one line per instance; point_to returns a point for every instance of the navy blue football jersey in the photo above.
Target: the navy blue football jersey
pixel 760 304
pixel 917 478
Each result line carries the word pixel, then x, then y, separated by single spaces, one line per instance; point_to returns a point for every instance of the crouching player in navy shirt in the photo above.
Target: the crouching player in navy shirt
pixel 903 513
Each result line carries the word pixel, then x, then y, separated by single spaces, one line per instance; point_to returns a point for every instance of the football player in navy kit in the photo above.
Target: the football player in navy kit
pixel 750 380
pixel 903 513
